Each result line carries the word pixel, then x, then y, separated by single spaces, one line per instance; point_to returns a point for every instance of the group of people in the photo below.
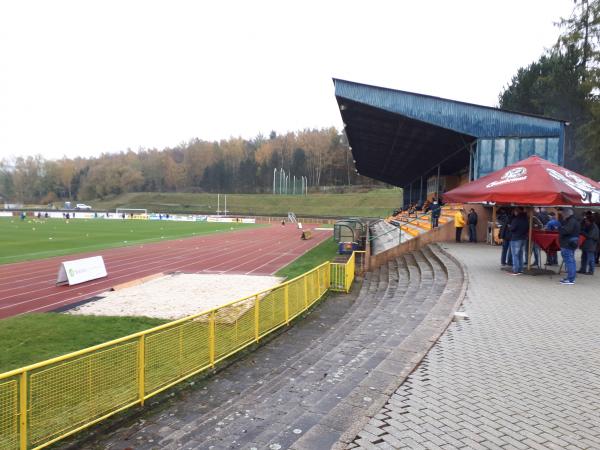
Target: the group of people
pixel 470 221
pixel 573 233
pixel 434 205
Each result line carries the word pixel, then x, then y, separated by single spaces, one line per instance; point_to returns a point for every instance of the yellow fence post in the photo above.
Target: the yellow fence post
pixel 305 292
pixel 256 318
pixel 319 281
pixel 211 338
pixel 23 411
pixel 286 303
pixel 349 272
pixel 142 368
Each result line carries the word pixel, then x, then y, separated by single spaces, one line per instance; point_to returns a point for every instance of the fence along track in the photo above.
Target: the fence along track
pixel 45 402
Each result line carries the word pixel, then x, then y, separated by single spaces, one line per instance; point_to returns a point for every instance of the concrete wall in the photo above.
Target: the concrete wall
pixel 387 236
pixel 444 233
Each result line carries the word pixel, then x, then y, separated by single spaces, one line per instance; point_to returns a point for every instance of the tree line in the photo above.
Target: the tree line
pixel 234 165
pixel 564 83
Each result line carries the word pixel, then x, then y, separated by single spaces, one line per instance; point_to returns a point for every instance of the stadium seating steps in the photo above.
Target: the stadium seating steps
pixel 420 222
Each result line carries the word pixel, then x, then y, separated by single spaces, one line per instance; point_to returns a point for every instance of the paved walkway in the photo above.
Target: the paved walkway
pixel 522 372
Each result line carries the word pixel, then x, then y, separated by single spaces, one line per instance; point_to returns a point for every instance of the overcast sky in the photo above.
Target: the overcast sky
pixel 78 78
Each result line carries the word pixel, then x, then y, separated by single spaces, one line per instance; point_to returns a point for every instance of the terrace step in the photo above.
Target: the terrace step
pixel 303 389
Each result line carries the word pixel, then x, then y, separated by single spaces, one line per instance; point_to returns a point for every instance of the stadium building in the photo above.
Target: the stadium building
pixel 428 144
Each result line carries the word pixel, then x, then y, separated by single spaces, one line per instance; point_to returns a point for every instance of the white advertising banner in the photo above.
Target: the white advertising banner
pixel 248 220
pixel 5 214
pixel 81 270
pixel 221 219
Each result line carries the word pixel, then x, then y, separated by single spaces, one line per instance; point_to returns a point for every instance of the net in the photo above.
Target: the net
pixel 129 211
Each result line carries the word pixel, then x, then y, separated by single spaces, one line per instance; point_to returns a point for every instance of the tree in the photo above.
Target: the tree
pixel 563 84
pixel 66 174
pixel 6 180
pixel 582 33
pixel 299 161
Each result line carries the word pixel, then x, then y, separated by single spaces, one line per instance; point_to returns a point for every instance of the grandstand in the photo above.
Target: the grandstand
pixel 428 145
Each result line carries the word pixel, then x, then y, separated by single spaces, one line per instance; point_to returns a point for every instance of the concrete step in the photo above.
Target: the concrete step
pixel 361 350
pixel 342 353
pixel 309 358
pixel 306 387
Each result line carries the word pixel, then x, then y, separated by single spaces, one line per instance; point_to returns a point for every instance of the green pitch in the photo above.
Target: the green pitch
pixel 35 239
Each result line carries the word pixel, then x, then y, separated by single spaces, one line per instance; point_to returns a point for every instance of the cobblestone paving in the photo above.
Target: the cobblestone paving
pixel 522 372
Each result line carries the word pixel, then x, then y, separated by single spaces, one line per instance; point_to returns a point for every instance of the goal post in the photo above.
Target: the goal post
pixel 135 213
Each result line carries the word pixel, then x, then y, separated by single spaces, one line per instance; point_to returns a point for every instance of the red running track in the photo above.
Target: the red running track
pixel 30 286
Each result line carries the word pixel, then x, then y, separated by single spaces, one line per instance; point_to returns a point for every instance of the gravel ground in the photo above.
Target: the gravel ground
pixel 176 296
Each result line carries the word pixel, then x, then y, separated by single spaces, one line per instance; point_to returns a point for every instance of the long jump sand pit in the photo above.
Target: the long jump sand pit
pixel 176 295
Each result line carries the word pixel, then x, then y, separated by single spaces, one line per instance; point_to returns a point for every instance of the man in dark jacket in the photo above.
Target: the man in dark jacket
pixel 504 221
pixel 568 238
pixel 472 222
pixel 519 227
pixel 588 248
pixel 552 225
pixel 596 217
pixel 436 211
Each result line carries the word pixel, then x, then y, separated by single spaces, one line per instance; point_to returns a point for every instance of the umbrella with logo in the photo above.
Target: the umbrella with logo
pixel 530 182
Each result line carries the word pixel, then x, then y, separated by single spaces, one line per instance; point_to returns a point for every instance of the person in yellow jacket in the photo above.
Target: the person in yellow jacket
pixel 459 223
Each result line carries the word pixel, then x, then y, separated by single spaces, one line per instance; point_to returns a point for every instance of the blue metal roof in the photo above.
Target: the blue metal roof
pixel 465 118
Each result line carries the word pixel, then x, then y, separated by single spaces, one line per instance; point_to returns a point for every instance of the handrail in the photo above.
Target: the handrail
pixel 414 219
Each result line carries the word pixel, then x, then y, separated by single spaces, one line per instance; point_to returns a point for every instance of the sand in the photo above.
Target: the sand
pixel 175 296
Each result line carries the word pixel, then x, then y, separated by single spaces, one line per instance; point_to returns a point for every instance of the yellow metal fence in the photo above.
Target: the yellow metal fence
pixel 48 401
pixel 342 274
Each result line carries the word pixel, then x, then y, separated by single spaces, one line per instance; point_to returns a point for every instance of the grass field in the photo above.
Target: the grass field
pixel 375 203
pixel 34 239
pixel 325 251
pixel 33 338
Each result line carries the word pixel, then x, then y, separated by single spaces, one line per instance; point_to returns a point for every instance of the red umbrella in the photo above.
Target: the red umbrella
pixel 532 181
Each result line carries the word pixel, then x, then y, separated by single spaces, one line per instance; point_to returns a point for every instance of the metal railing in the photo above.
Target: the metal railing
pixel 342 274
pixel 45 402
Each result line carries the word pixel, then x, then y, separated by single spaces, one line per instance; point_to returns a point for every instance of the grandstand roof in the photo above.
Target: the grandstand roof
pixel 398 136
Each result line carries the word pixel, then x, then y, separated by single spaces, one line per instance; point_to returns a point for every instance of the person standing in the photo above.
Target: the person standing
pixel 596 217
pixel 459 224
pixel 504 220
pixel 568 238
pixel 588 249
pixel 552 225
pixel 472 222
pixel 436 211
pixel 542 215
pixel 519 227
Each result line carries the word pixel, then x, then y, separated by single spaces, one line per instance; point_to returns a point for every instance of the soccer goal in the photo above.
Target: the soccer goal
pixel 132 212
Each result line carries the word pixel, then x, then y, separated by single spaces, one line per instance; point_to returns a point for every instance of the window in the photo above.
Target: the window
pixel 484 153
pixel 526 148
pixel 512 151
pixel 499 154
pixel 552 154
pixel 540 147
